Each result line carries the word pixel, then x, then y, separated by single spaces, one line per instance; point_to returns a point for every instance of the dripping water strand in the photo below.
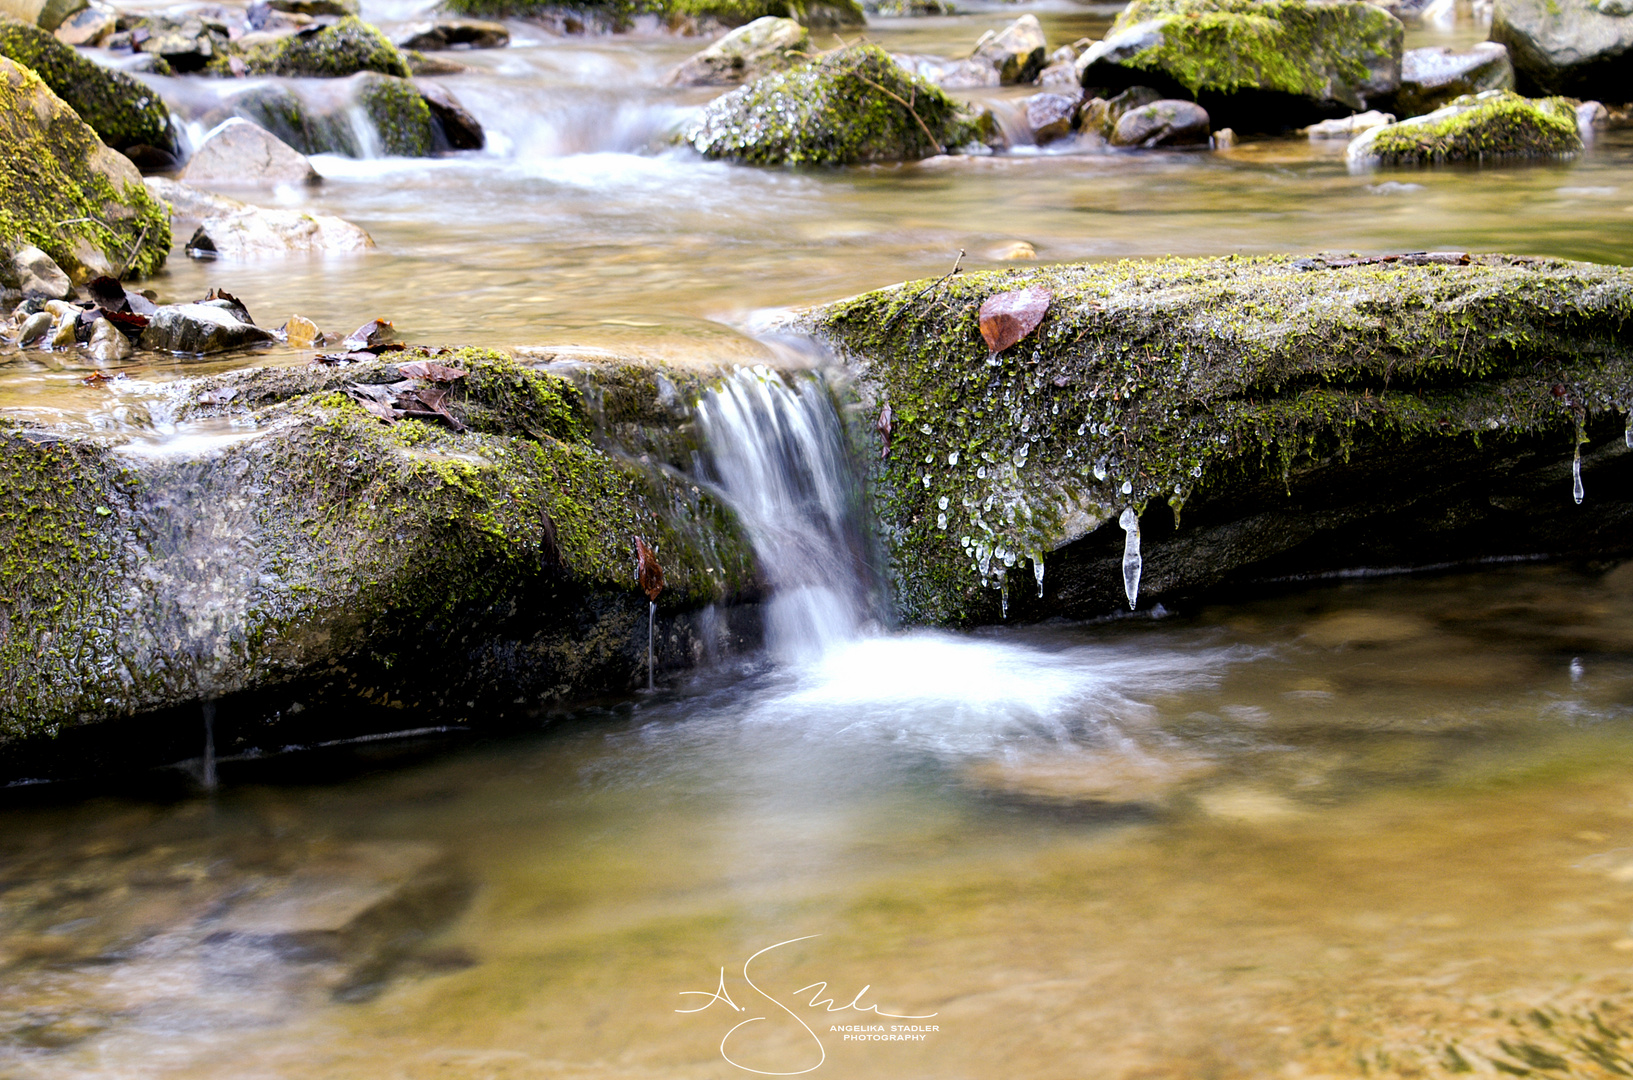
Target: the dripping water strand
pixel 1132 562
pixel 209 775
pixel 1576 465
pixel 651 634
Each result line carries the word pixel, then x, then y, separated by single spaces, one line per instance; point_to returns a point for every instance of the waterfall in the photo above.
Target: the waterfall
pixel 777 452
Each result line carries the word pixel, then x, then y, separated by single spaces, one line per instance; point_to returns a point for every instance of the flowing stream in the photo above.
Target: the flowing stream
pixel 1376 827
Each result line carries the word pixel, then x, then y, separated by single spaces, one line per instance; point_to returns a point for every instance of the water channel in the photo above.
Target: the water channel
pixel 1377 826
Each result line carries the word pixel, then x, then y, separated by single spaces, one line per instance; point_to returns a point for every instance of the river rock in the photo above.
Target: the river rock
pixel 329 52
pixel 46 14
pixel 186 44
pixel 965 74
pixel 831 111
pixel 1495 126
pixel 759 48
pixel 236 153
pixel 1016 52
pixel 121 111
pixel 1050 116
pixel 108 345
pixel 1162 123
pixel 1348 127
pixel 323 572
pixel 198 330
pixel 1577 47
pixel 89 26
pixel 456 128
pixel 63 191
pixel 33 273
pixel 454 34
pixel 1193 385
pixel 34 327
pixel 315 8
pixel 229 229
pixel 400 114
pixel 1254 66
pixel 1433 77
pixel 1100 115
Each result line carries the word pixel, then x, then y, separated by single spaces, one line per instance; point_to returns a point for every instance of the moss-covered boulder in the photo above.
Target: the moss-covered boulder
pixel 1254 65
pixel 63 191
pixel 399 114
pixel 1495 126
pixel 847 107
pixel 331 52
pixel 122 111
pixel 1308 416
pixel 324 563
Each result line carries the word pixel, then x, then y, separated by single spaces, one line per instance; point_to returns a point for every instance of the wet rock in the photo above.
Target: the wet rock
pixel 314 8
pixel 198 330
pixel 1434 77
pixel 454 34
pixel 56 175
pixel 1223 139
pixel 400 113
pixel 122 111
pixel 1577 47
pixel 898 9
pixel 345 48
pixel 422 65
pixel 228 229
pixel 33 273
pixel 1099 116
pixel 302 333
pixel 1591 116
pixel 89 26
pixel 747 53
pixel 457 128
pixel 1050 116
pixel 1108 777
pixel 1162 123
pixel 1495 126
pixel 236 153
pixel 186 45
pixel 966 74
pixel 1465 457
pixel 1349 127
pixel 1016 52
pixel 33 328
pixel 850 106
pixel 1253 66
pixel 46 14
pixel 1014 251
pixel 108 345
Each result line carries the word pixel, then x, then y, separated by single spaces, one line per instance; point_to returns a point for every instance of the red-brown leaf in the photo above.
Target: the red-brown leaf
pixel 1009 317
pixel 370 334
pixel 427 369
pixel 648 574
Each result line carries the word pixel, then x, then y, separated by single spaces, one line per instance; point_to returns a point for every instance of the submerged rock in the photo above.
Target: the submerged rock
pixel 226 228
pixel 1576 47
pixel 1307 416
pixel 1255 66
pixel 236 153
pixel 1162 123
pixel 852 106
pixel 747 53
pixel 63 191
pixel 1436 76
pixel 1495 126
pixel 121 111
pixel 322 571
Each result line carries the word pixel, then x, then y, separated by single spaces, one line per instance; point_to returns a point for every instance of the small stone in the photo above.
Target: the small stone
pixel 63 333
pixel 34 327
pixel 1162 123
pixel 108 344
pixel 1590 117
pixel 1014 251
pixel 198 329
pixel 1434 76
pixel 1050 116
pixel 302 333
pixel 88 26
pixel 1099 116
pixel 462 130
pixel 1224 139
pixel 454 34
pixel 1347 127
pixel 767 44
pixel 315 7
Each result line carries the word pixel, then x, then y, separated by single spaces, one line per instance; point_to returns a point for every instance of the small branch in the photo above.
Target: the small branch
pixel 936 284
pixel 908 105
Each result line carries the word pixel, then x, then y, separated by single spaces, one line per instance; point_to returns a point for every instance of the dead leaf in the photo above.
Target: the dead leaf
pixel 1009 317
pixel 426 369
pixel 427 403
pixel 370 334
pixel 375 399
pixel 234 306
pixel 648 574
pixel 107 294
pixel 882 426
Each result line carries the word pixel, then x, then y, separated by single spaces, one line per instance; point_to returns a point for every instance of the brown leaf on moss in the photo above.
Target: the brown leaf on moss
pixel 1009 317
pixel 431 371
pixel 648 574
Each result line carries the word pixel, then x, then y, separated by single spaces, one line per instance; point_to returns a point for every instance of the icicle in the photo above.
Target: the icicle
pixel 1003 594
pixel 1037 571
pixel 1627 436
pixel 651 633
pixel 209 746
pixel 1576 476
pixel 1132 563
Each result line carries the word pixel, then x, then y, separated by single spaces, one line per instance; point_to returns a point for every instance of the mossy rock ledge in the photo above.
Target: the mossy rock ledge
pixel 322 573
pixel 1267 419
pixel 848 107
pixel 1254 65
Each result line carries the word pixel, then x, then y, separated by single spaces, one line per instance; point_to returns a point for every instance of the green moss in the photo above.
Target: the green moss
pixel 52 194
pixel 399 114
pixel 119 109
pixel 349 46
pixel 851 106
pixel 1176 376
pixel 1502 126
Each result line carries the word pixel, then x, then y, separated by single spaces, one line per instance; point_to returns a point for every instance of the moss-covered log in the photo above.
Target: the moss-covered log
pixel 326 558
pixel 1308 416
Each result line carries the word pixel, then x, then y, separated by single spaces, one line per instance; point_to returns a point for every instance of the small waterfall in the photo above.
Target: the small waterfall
pixel 778 454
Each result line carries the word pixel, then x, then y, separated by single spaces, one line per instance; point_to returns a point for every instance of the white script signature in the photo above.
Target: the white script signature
pixel 720 996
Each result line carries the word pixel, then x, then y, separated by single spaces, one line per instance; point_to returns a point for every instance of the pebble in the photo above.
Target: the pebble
pixel 302 333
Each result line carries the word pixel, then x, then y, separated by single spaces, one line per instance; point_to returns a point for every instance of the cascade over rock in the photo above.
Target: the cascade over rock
pixel 1308 416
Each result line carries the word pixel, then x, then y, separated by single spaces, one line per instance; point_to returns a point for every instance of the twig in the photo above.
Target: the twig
pixel 936 284
pixel 124 267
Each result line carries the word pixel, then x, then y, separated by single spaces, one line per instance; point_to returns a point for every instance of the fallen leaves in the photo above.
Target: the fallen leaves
pixel 648 574
pixel 371 335
pixel 1008 317
pixel 406 399
pixel 431 370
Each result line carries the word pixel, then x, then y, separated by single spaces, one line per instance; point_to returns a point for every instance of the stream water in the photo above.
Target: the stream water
pixel 1376 827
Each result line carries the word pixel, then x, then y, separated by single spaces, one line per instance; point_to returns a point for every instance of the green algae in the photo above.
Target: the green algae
pixel 119 109
pixel 1500 126
pixel 1177 377
pixel 847 107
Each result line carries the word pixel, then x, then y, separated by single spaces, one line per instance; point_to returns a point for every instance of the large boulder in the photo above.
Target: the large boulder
pixel 1255 65
pixel 330 52
pixel 123 112
pixel 847 107
pixel 759 48
pixel 65 192
pixel 1494 126
pixel 321 570
pixel 236 153
pixel 399 114
pixel 1309 416
pixel 1432 77
pixel 1582 48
